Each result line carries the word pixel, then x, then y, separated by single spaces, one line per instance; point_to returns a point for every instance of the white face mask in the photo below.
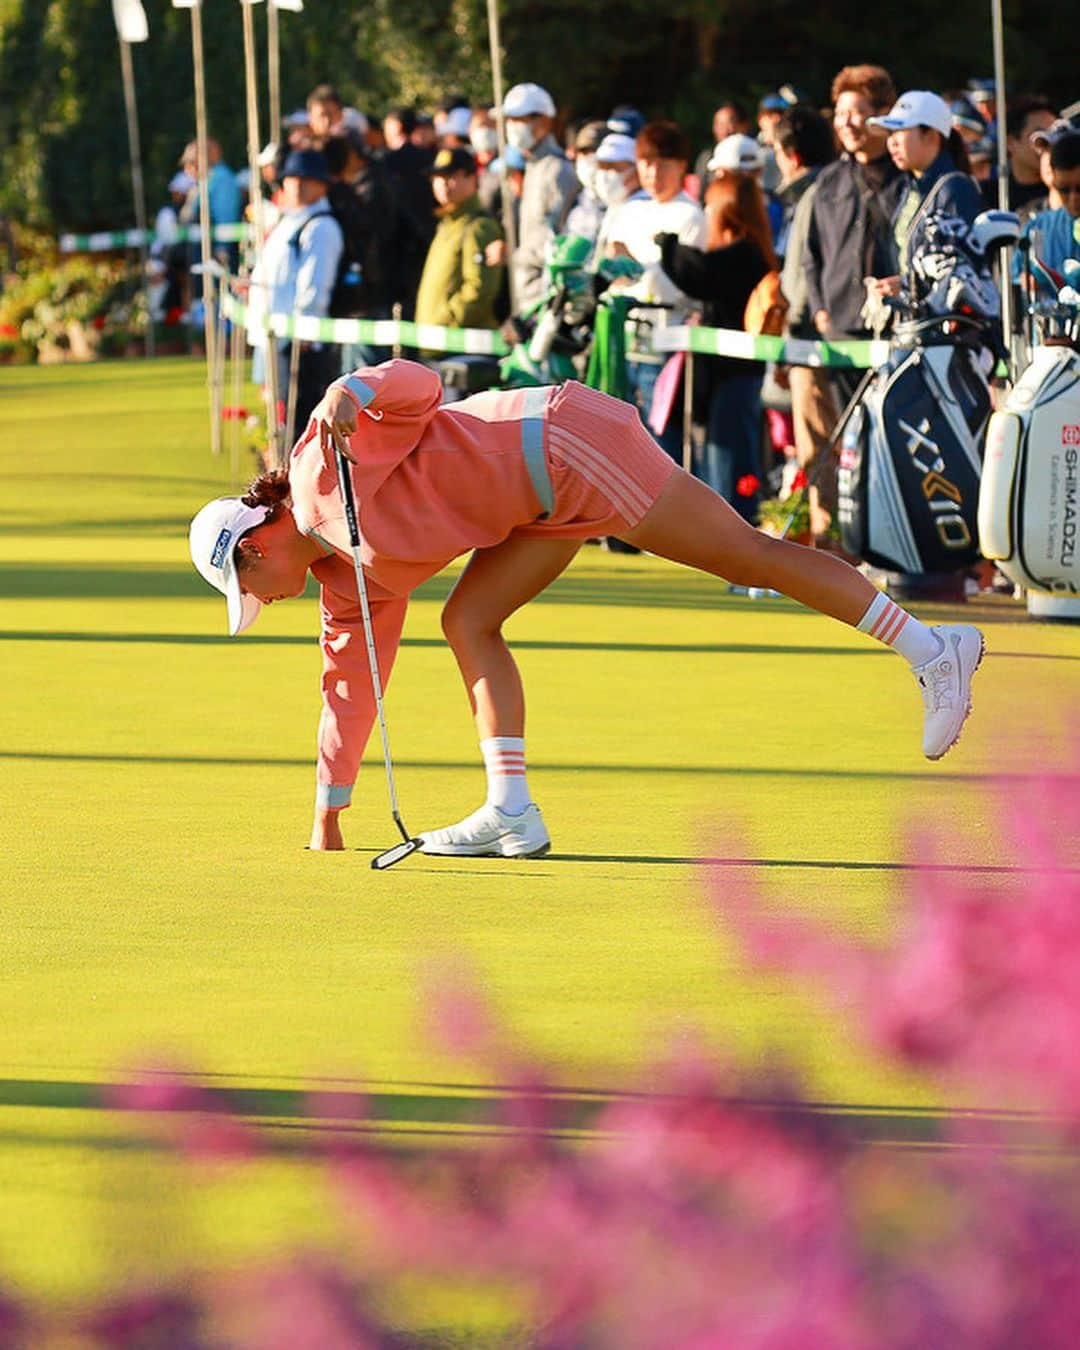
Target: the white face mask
pixel 485 140
pixel 520 135
pixel 585 168
pixel 610 186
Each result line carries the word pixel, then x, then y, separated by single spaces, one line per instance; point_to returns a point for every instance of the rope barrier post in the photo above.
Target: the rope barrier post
pixel 270 388
pixel 997 26
pixel 273 71
pixel 236 353
pixel 509 227
pixel 205 223
pixel 688 412
pixel 137 188
pixel 294 382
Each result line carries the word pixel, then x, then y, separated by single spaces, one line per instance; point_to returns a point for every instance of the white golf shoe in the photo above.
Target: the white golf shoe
pixel 946 685
pixel 491 833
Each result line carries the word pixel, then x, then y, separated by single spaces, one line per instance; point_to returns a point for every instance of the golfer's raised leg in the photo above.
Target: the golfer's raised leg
pixel 496 582
pixel 691 524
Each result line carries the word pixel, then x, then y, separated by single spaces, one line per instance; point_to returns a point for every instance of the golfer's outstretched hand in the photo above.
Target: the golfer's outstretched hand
pixel 336 414
pixel 326 830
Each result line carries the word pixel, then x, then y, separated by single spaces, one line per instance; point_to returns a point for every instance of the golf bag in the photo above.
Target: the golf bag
pixel 908 481
pixel 909 467
pixel 1029 505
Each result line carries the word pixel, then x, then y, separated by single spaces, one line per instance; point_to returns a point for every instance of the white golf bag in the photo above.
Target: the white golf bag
pixel 1029 505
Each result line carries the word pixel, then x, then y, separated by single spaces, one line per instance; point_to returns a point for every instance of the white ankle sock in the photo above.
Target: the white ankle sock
pixel 887 622
pixel 504 760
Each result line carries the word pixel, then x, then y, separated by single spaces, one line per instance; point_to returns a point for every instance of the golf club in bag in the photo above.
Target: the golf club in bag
pixel 1029 503
pixel 410 844
pixel 910 462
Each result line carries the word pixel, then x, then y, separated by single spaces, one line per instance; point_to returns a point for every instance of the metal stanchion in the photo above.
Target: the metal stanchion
pixel 290 406
pixel 688 413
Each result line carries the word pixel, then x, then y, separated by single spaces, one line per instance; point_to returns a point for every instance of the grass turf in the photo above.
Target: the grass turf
pixel 156 791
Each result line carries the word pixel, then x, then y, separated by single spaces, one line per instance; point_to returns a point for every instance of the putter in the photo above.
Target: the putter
pixel 409 843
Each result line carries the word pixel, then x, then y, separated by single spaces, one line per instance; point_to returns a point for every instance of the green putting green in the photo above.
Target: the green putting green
pixel 156 781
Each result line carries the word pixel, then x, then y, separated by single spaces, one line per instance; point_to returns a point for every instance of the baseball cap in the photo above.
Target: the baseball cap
pixel 513 159
pixel 625 120
pixel 212 539
pixel 528 100
pixel 590 137
pixel 737 152
pixel 966 116
pixel 916 108
pixel 981 90
pixel 354 120
pixel 267 155
pixel 306 164
pixel 773 103
pixel 181 182
pixel 456 122
pixel 1048 136
pixel 449 161
pixel 616 149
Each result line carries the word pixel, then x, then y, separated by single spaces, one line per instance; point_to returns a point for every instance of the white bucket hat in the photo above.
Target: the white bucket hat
pixel 212 539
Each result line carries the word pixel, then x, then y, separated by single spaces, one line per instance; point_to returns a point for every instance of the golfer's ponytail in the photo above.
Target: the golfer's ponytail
pixel 270 490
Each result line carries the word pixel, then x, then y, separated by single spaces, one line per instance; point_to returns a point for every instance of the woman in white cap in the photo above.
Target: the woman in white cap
pixel 924 144
pixel 520 478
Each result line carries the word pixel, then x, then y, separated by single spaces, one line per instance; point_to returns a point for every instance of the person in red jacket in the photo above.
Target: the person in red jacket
pixel 519 478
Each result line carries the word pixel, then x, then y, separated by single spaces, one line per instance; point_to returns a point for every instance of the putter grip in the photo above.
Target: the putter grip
pixel 347 498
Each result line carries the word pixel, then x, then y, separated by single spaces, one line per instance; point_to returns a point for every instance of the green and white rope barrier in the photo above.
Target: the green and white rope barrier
pixel 851 355
pixel 378 332
pixel 490 342
pixel 105 241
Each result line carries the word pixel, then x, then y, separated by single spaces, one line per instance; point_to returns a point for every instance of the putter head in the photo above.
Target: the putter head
pixel 390 856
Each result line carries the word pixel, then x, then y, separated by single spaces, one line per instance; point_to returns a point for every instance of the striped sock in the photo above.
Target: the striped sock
pixel 887 622
pixel 507 786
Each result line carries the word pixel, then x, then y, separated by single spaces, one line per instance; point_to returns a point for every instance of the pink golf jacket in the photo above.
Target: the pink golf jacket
pixel 430 484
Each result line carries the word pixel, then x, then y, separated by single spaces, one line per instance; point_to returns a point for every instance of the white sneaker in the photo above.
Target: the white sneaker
pixel 946 685
pixel 489 833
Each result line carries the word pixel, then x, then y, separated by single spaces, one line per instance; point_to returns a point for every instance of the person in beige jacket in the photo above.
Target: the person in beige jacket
pixel 459 285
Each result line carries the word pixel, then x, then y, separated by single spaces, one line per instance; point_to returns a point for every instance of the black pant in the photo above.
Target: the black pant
pixel 314 373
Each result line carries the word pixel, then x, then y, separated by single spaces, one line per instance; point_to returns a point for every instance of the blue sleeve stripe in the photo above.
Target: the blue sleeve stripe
pixel 532 445
pixel 331 795
pixel 363 393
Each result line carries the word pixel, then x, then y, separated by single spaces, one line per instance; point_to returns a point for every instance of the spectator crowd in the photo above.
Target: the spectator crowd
pixel 792 220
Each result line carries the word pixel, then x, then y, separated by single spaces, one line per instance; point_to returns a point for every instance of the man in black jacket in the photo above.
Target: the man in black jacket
pixel 365 206
pixel 854 200
pixel 408 166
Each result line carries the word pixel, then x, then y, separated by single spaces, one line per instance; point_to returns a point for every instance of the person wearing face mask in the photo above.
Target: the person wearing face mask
pixel 483 137
pixel 630 229
pixel 550 183
pixel 849 233
pixel 586 211
pixel 615 183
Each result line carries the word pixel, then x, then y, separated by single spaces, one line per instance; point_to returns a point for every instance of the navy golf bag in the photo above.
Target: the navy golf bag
pixel 908 480
pixel 910 458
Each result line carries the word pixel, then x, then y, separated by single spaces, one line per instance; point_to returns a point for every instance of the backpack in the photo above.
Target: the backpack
pixel 767 307
pixel 359 276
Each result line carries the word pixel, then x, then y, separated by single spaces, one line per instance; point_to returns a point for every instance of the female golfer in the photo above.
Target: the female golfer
pixel 520 478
